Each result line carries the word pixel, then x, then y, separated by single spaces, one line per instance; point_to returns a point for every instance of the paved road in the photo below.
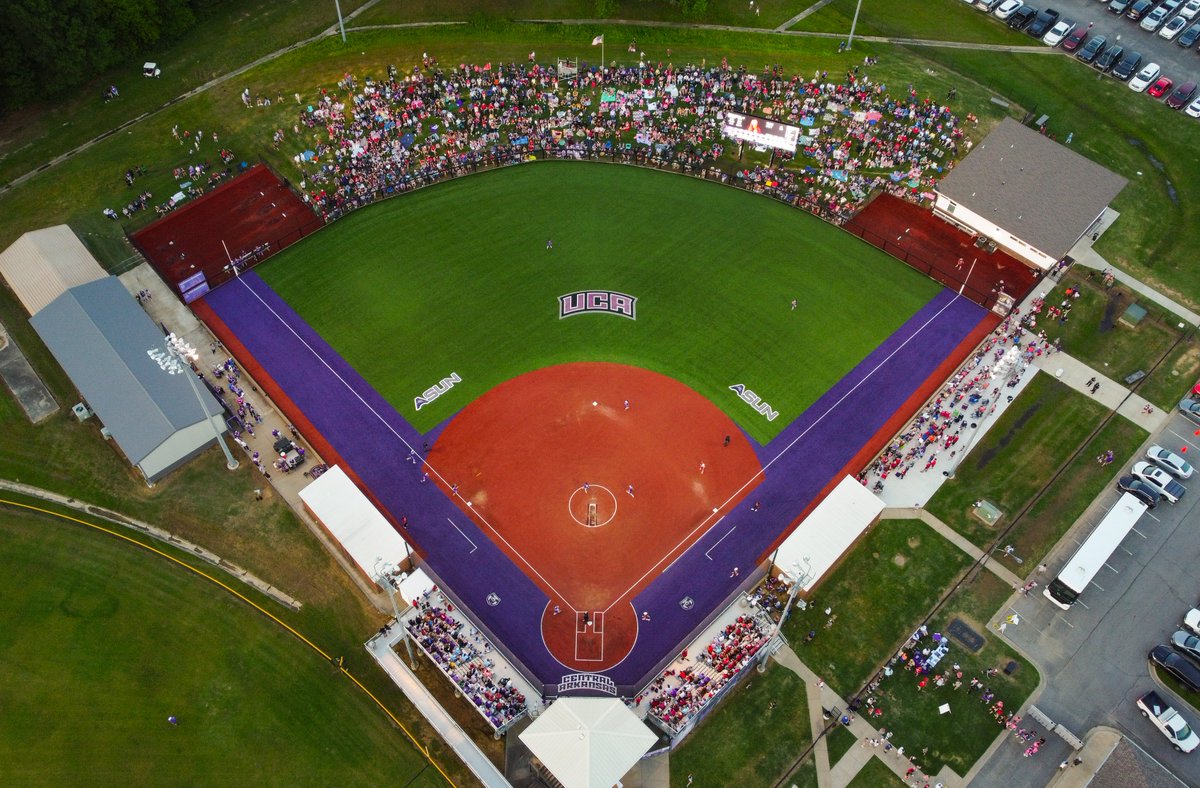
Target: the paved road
pixel 1093 657
pixel 1177 63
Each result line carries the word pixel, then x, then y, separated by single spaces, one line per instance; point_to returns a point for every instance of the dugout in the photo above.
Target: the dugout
pixel 823 537
pixel 362 532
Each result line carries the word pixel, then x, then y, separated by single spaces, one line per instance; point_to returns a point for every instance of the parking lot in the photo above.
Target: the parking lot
pixel 1177 63
pixel 1093 656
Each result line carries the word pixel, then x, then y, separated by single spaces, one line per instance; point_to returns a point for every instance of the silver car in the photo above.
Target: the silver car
pixel 1170 462
pixel 1190 408
pixel 1186 643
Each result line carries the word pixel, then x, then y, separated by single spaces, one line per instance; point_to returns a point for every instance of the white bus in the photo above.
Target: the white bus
pixel 1095 552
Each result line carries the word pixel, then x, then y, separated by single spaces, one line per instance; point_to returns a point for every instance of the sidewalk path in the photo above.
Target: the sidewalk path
pixel 1112 394
pixel 1084 254
pixel 957 539
pixel 820 696
pixel 812 9
pixel 381 648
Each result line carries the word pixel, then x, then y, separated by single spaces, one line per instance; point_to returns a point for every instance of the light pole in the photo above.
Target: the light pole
pixel 176 359
pixel 853 24
pixel 341 25
pixel 384 571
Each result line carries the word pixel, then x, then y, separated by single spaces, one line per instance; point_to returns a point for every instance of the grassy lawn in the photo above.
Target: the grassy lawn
pixel 744 742
pixel 686 332
pixel 1174 379
pixel 879 594
pixel 38 133
pixel 1037 433
pixel 718 12
pixel 876 774
pixel 959 738
pixel 1094 335
pixel 108 642
pixel 955 21
pixel 839 741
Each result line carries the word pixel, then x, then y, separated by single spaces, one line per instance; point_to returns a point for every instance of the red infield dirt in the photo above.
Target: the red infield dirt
pixel 560 439
pixel 254 208
pixel 918 237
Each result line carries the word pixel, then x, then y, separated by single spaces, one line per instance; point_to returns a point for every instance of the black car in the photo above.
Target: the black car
pixel 1128 66
pixel 1140 490
pixel 1042 23
pixel 1139 9
pixel 1021 18
pixel 1109 58
pixel 1177 665
pixel 1091 49
pixel 1119 7
pixel 1188 38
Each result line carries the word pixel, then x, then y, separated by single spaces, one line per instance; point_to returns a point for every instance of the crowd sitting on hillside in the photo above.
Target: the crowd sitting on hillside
pixel 678 694
pixel 462 653
pixel 364 143
pixel 970 395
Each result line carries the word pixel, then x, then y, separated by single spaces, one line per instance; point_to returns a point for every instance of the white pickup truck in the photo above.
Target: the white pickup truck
pixel 1170 722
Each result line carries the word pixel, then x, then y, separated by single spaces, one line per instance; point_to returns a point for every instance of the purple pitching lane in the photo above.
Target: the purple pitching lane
pixel 374 439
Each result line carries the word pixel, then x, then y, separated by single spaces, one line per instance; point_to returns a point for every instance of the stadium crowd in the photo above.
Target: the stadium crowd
pixel 680 693
pixel 363 143
pixel 461 651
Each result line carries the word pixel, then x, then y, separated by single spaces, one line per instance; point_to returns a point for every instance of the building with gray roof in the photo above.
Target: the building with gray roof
pixel 101 338
pixel 1027 193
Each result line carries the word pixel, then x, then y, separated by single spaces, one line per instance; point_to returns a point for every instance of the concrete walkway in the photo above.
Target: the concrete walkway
pixel 381 648
pixel 1112 394
pixel 812 9
pixel 1085 255
pixel 820 697
pixel 957 539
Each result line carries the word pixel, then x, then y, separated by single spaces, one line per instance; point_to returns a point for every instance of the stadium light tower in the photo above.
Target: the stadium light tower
pixel 341 24
pixel 384 572
pixel 176 359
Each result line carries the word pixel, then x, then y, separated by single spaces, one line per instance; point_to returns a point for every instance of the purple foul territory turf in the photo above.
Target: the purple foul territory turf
pixel 374 439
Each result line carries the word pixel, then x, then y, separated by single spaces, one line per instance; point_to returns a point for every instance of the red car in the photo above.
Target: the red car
pixel 1075 38
pixel 1159 88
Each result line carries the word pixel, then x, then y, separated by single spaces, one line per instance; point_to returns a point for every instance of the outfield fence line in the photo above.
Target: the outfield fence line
pixel 507 157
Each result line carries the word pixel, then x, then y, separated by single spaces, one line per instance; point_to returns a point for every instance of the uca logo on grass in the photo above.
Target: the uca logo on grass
pixel 754 401
pixel 607 302
pixel 433 392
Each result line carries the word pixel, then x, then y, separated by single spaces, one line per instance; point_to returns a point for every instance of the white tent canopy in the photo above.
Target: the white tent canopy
pixel 819 542
pixel 588 742
pixel 353 521
pixel 414 585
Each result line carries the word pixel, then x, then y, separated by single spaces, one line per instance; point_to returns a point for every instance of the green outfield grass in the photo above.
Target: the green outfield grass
pixel 102 642
pixel 458 278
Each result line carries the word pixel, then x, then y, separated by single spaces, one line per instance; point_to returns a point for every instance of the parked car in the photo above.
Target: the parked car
pixel 1153 475
pixel 1139 9
pixel 1191 621
pixel 1173 27
pixel 1119 6
pixel 1153 20
pixel 1109 58
pixel 1127 67
pixel 1186 643
pixel 1166 459
pixel 1145 78
pixel 1190 9
pixel 1140 490
pixel 1055 35
pixel 1006 8
pixel 1170 722
pixel 1042 23
pixel 1177 665
pixel 1021 18
pixel 987 6
pixel 1089 51
pixel 1075 39
pixel 1190 408
pixel 1189 37
pixel 1177 100
pixel 1193 110
pixel 1160 87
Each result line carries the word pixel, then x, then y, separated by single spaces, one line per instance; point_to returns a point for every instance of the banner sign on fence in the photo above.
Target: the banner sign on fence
pixel 760 131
